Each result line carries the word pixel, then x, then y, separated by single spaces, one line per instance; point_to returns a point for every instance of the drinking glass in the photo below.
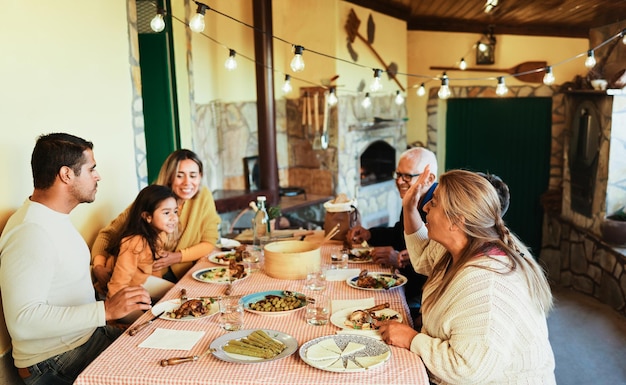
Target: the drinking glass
pixel 339 261
pixel 231 313
pixel 318 310
pixel 252 259
pixel 315 280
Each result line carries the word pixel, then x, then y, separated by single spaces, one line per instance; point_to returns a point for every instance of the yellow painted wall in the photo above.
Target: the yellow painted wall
pixel 445 49
pixel 62 74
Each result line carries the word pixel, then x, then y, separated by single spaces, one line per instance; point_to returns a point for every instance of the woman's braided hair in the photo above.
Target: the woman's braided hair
pixel 471 202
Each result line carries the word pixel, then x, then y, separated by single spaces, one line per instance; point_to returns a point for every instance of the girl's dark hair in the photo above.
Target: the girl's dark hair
pixel 146 202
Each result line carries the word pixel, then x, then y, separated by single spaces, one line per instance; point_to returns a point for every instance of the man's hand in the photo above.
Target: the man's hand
pixel 387 256
pixel 102 274
pixel 357 235
pixel 125 301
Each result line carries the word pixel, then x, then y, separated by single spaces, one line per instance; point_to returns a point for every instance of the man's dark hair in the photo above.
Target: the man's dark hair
pixel 54 151
pixel 501 188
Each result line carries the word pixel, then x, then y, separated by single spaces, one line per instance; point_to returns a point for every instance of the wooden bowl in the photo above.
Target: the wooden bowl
pixel 291 259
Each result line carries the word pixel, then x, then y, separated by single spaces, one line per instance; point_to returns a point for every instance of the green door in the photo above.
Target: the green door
pixel 158 92
pixel 509 137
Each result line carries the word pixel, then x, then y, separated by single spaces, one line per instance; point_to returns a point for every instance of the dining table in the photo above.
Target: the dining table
pixel 126 362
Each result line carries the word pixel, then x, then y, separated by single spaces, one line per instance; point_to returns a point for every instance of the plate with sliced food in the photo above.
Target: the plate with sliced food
pixel 220 275
pixel 345 353
pixel 376 281
pixel 254 346
pixel 358 318
pixel 192 309
pixel 274 302
pixel 223 258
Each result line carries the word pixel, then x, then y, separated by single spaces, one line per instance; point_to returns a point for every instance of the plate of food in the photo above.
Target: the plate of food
pixel 376 281
pixel 360 254
pixel 274 303
pixel 358 318
pixel 223 258
pixel 253 346
pixel 345 353
pixel 191 309
pixel 222 274
pixel 226 243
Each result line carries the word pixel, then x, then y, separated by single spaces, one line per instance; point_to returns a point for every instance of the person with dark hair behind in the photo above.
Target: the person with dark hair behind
pixel 56 325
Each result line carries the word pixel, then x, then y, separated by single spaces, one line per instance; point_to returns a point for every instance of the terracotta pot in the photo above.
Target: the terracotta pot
pixel 613 232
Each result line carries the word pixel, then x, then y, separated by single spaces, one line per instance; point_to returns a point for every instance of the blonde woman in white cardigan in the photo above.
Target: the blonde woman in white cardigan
pixel 485 303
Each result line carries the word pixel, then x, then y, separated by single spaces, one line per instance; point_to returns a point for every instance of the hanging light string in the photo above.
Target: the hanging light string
pixel 621 34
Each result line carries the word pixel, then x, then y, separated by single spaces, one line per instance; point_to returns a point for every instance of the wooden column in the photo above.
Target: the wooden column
pixel 264 49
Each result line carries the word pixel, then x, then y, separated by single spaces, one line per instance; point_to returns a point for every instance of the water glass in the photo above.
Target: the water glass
pixel 231 313
pixel 252 260
pixel 315 280
pixel 339 261
pixel 318 310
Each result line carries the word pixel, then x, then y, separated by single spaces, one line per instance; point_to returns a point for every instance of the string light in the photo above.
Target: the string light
pixel 548 78
pixel 399 98
pixel 287 88
pixel 297 63
pixel 376 85
pixel 501 88
pixel 231 63
pixel 332 97
pixel 196 23
pixel 444 90
pixel 463 64
pixel 367 102
pixel 421 91
pixel 158 23
pixel 590 62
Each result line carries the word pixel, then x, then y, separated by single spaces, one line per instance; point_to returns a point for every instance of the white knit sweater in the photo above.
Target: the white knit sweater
pixel 485 329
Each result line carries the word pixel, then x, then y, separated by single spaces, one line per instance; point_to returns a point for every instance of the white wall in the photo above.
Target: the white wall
pixel 64 67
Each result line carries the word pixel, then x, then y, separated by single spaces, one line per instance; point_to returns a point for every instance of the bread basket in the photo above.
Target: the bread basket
pixel 291 259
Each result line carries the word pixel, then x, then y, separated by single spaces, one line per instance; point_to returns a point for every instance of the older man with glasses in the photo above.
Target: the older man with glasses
pixel 388 242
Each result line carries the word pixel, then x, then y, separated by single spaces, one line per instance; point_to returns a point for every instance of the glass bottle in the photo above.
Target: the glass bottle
pixel 261 225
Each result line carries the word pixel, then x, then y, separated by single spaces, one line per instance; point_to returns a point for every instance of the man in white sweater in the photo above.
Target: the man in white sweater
pixel 56 325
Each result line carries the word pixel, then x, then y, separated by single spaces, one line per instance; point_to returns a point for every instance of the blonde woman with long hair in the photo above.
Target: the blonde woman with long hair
pixel 485 302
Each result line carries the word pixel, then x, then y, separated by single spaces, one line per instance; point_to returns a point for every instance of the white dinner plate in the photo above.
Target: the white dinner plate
pixel 388 277
pixel 222 258
pixel 228 243
pixel 218 343
pixel 374 354
pixel 215 275
pixel 252 298
pixel 340 316
pixel 173 304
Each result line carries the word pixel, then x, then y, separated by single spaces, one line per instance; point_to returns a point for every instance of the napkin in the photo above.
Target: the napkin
pixel 339 304
pixel 172 339
pixel 341 274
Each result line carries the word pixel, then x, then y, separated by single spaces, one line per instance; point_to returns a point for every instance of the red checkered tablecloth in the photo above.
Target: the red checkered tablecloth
pixel 124 363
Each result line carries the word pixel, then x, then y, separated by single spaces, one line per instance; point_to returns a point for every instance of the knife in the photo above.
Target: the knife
pixel 136 329
pixel 180 360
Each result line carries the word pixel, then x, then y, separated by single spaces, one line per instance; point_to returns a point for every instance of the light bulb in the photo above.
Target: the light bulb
pixel 367 102
pixel 548 78
pixel 501 88
pixel 463 64
pixel 444 90
pixel 196 23
pixel 287 85
pixel 231 63
pixel 421 91
pixel 399 98
pixel 297 63
pixel 332 97
pixel 590 62
pixel 623 34
pixel 157 23
pixel 482 47
pixel 376 83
